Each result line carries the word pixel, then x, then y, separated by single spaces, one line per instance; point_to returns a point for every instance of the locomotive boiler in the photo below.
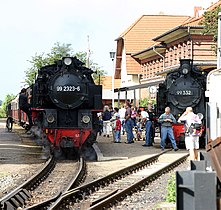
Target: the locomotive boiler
pixel 65 103
pixel 183 87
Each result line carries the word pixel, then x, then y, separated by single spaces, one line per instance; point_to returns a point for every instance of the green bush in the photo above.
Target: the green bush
pixel 171 189
pixel 2 113
pixel 144 101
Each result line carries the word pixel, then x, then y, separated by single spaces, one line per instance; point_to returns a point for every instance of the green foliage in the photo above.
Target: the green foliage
pixel 57 52
pixel 2 113
pixel 98 75
pixel 144 101
pixel 171 189
pixel 8 98
pixel 210 22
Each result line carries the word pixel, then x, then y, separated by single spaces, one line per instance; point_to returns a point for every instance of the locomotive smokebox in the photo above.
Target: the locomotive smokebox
pixel 67 90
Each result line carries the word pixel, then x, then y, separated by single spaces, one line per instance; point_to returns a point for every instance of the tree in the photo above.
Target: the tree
pixel 210 21
pixel 57 52
pixel 144 102
pixel 8 98
pixel 98 74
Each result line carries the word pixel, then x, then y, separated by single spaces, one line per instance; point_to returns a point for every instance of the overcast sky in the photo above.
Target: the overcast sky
pixel 33 26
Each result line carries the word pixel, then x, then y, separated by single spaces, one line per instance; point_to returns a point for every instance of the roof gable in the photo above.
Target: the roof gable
pixel 139 35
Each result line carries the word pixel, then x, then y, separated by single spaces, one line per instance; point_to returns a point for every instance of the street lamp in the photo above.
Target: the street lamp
pixel 112 56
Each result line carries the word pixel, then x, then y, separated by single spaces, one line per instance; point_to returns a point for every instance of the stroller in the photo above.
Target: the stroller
pixel 138 130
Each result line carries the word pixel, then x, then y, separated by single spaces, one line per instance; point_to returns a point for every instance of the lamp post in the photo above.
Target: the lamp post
pixel 112 56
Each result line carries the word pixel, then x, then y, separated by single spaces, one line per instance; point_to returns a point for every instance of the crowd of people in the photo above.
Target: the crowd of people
pixel 134 121
pixel 130 120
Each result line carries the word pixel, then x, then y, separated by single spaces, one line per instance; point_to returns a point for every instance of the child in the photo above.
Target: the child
pixel 117 129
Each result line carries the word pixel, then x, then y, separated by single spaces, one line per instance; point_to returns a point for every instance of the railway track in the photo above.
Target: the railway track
pixel 46 186
pixel 110 190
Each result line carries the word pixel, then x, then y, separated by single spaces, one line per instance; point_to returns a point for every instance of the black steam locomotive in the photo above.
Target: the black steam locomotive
pixel 65 103
pixel 183 87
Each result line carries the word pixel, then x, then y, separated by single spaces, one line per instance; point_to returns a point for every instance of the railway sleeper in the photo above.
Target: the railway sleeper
pixel 17 200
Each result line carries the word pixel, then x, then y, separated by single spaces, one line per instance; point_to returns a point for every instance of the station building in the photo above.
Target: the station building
pixel 154 45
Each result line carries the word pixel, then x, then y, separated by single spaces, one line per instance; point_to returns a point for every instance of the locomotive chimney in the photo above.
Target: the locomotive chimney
pixel 185 66
pixel 185 61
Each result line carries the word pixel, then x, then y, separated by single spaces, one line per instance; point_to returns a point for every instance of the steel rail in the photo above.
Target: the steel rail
pixel 17 197
pixel 121 194
pixel 79 192
pixel 77 179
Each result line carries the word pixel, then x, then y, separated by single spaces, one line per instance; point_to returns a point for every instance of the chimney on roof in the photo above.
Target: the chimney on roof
pixel 197 12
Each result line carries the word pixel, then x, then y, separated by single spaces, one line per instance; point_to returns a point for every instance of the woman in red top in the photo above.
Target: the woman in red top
pixel 117 129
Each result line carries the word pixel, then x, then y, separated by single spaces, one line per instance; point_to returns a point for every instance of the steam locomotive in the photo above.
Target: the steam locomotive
pixel 65 102
pixel 183 87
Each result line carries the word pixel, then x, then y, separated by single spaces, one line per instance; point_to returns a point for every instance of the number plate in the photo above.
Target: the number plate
pixel 68 88
pixel 184 92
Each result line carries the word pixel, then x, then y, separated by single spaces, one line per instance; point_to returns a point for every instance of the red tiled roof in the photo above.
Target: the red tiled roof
pixel 139 36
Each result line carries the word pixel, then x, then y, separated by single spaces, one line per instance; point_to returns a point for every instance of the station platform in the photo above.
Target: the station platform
pixel 15 149
pixel 106 149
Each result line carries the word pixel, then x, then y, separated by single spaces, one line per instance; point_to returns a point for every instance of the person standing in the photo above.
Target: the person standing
pixel 151 118
pixel 113 122
pixel 106 121
pixel 25 107
pixel 191 136
pixel 133 115
pixel 117 129
pixel 128 123
pixel 122 111
pixel 166 120
pixel 100 123
pixel 139 125
pixel 146 121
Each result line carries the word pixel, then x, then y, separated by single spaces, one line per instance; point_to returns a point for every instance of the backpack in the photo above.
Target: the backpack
pixel 193 129
pixel 106 115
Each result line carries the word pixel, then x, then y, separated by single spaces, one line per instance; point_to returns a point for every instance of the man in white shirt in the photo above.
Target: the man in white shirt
pixel 121 112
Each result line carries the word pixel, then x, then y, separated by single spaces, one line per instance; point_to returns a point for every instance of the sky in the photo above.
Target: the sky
pixel 30 27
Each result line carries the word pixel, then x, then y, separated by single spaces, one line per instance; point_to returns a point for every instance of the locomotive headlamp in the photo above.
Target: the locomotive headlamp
pixel 50 118
pixel 67 61
pixel 185 68
pixel 86 119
